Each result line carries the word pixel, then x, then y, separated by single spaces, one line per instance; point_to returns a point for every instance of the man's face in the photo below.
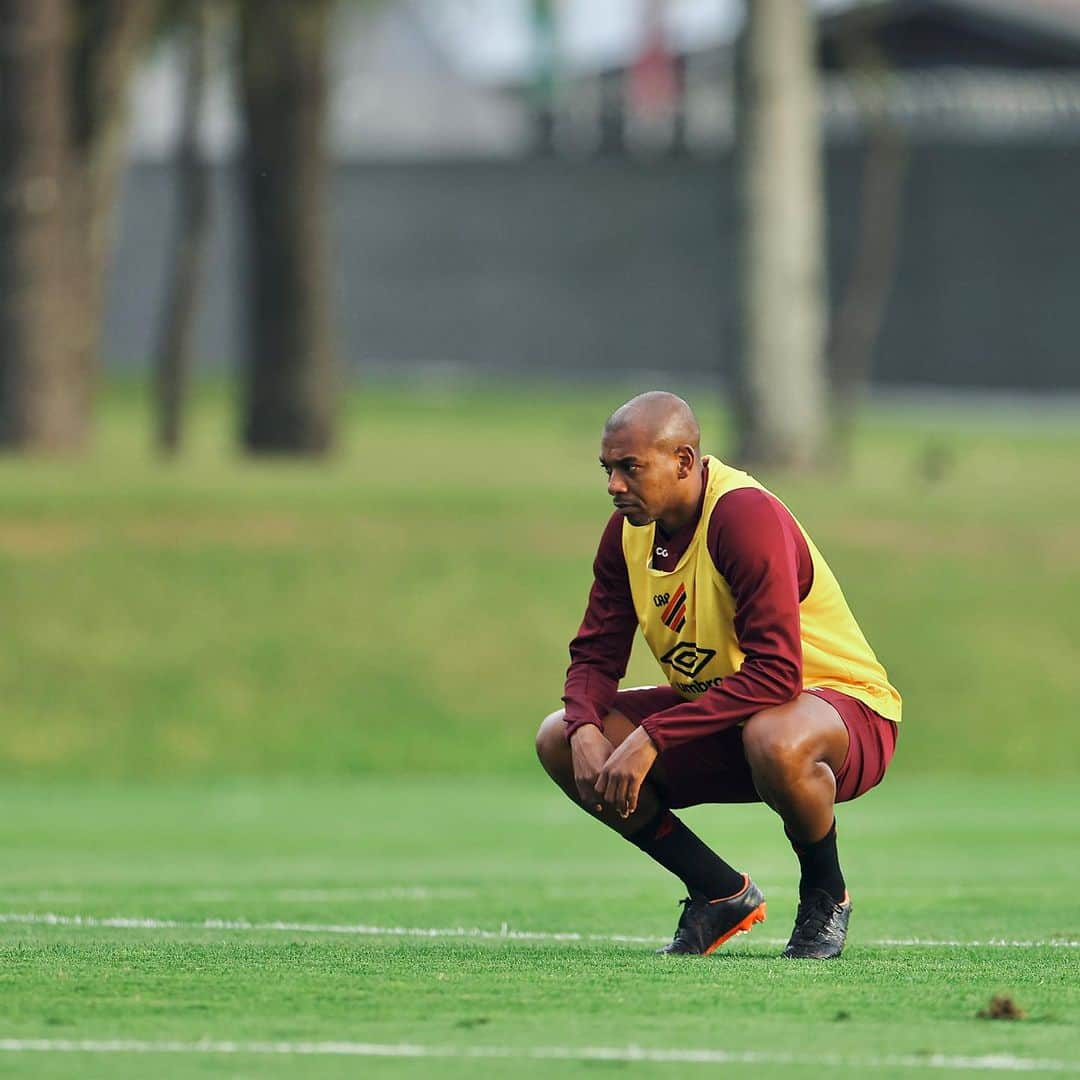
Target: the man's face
pixel 641 477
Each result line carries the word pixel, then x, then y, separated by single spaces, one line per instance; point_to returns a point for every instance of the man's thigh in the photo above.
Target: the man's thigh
pixel 709 770
pixel 871 743
pixel 715 770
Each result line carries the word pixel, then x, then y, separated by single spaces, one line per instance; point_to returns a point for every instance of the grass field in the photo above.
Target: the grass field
pixel 422 916
pixel 268 804
pixel 409 603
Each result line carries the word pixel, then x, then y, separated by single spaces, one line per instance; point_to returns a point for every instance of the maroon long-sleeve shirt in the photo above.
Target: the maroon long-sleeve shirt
pixel 761 553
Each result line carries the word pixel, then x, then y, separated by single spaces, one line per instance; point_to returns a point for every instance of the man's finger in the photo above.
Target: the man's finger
pixel 588 794
pixel 596 796
pixel 611 792
pixel 602 781
pixel 618 799
pixel 615 794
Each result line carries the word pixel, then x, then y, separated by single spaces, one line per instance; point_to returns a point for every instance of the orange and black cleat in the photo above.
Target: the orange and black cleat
pixel 706 924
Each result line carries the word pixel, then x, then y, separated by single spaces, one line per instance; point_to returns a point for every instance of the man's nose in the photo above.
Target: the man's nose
pixel 616 485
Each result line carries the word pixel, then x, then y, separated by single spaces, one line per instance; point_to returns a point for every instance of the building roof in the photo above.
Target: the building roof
pixel 1036 32
pixel 491 41
pixel 1054 18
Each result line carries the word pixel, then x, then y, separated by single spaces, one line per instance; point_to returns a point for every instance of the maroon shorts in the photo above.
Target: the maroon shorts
pixel 714 769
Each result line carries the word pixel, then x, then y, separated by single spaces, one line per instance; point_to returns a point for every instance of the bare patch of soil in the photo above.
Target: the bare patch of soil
pixel 1001 1007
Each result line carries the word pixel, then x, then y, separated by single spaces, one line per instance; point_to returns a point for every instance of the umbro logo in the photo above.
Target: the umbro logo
pixel 687 659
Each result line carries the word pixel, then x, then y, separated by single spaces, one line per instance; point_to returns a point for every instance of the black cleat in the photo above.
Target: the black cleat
pixel 706 924
pixel 820 927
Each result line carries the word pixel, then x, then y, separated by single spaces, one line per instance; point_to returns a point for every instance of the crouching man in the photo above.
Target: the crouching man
pixel 773 694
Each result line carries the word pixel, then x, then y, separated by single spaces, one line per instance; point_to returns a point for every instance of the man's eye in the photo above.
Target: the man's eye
pixel 633 468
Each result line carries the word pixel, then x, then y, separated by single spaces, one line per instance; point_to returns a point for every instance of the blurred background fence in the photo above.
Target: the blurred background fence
pixel 604 267
pixel 499 207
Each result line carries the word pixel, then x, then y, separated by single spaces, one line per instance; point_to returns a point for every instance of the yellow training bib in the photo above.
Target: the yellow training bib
pixel 688 615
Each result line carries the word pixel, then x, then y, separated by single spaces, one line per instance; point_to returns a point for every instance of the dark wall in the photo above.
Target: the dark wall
pixel 612 266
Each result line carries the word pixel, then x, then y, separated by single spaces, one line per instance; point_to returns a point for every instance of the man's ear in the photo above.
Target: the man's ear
pixel 686 459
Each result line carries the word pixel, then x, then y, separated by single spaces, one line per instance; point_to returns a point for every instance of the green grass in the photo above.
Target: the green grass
pixel 406 606
pixel 958 861
pixel 305 693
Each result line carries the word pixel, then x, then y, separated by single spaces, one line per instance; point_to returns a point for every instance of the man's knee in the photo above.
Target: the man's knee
pixel 785 741
pixel 774 746
pixel 551 746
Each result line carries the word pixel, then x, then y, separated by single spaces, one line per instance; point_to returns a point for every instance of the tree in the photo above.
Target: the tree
pixel 190 234
pixel 64 70
pixel 40 380
pixel 861 310
pixel 290 346
pixel 781 406
pixel 108 39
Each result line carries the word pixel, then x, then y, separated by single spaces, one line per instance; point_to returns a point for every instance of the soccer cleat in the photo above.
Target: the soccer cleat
pixel 706 924
pixel 820 927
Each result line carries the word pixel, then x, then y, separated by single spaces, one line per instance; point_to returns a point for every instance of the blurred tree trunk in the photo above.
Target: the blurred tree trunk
pixel 290 368
pixel 861 311
pixel 781 408
pixel 64 68
pixel 42 403
pixel 109 37
pixel 190 232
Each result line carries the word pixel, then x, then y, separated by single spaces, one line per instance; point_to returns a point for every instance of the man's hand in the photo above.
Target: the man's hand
pixel 589 749
pixel 624 771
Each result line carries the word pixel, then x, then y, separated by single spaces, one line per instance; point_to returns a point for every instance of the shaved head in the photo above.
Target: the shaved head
pixel 662 419
pixel 650 451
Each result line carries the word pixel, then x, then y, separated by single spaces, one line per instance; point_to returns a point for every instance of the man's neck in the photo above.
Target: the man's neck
pixel 690 512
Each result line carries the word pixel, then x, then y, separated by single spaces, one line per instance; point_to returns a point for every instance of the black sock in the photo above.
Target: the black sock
pixel 705 875
pixel 820 865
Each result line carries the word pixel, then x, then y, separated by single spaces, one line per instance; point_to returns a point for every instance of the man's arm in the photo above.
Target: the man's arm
pixel 762 555
pixel 600 651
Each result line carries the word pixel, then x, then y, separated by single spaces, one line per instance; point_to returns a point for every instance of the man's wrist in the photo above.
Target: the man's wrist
pixel 651 735
pixel 639 734
pixel 574 726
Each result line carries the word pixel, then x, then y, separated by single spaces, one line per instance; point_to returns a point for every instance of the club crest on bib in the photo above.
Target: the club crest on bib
pixel 674 614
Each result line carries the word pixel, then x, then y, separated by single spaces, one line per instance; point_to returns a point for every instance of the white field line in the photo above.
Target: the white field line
pixel 504 933
pixel 948 1062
